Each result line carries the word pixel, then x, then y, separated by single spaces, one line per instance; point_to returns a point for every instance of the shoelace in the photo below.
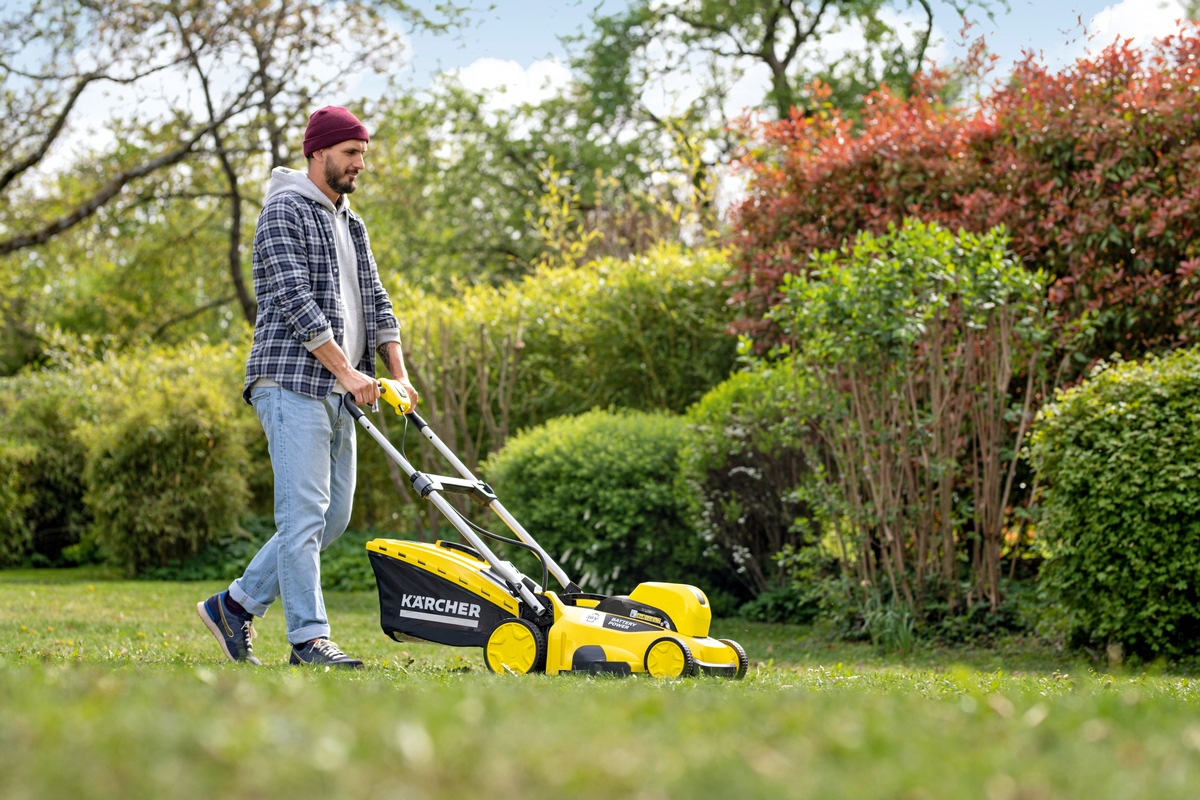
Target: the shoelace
pixel 248 634
pixel 328 649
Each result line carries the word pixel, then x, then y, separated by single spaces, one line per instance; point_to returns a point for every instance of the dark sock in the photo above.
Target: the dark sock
pixel 234 606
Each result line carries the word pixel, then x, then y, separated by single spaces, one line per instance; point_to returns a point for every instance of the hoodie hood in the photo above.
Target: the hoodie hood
pixel 284 179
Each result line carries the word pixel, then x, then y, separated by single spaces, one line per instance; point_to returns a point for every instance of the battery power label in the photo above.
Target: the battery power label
pixel 613 622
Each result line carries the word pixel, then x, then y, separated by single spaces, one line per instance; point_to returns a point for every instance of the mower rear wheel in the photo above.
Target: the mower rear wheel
pixel 669 658
pixel 516 645
pixel 743 663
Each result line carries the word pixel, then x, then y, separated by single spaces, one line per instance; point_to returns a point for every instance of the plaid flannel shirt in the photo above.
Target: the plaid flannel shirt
pixel 296 283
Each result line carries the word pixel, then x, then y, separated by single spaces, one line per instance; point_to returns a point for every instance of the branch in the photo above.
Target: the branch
pixel 112 189
pixel 56 128
pixel 924 46
pixel 234 254
pixel 60 120
pixel 715 30
pixel 195 312
pixel 804 36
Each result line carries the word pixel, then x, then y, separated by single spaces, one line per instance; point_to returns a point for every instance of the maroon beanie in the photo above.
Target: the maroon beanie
pixel 329 126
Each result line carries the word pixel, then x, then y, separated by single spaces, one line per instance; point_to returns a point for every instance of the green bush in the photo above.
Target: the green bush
pixel 166 465
pixel 746 476
pixel 598 493
pixel 813 587
pixel 1119 457
pixel 916 342
pixel 15 501
pixel 649 333
pixel 41 497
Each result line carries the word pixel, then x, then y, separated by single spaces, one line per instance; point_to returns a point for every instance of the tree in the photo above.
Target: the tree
pixel 466 191
pixel 783 36
pixel 192 90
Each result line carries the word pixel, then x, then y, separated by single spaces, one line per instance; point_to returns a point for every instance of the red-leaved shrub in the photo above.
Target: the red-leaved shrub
pixel 1094 171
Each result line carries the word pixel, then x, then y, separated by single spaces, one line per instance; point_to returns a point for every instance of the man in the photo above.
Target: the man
pixel 322 315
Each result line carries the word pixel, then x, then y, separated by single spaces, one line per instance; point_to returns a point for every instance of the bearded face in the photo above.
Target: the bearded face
pixel 341 173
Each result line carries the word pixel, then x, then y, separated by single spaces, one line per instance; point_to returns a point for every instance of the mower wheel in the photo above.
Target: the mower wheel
pixel 743 662
pixel 669 658
pixel 516 645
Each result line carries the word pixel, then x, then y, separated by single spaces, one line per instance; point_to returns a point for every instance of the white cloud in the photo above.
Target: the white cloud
pixel 1140 20
pixel 506 84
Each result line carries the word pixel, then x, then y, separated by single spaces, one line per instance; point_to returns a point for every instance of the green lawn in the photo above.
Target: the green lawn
pixel 115 689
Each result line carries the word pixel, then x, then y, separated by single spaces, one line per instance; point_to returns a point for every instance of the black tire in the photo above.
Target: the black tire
pixel 743 662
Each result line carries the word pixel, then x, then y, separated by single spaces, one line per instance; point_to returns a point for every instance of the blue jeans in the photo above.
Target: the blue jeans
pixel 313 457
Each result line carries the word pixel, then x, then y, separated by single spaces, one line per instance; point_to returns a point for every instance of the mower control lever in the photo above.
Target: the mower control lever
pixel 395 395
pixel 391 392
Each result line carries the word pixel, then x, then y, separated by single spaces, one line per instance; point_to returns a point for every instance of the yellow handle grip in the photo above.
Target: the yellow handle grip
pixel 394 394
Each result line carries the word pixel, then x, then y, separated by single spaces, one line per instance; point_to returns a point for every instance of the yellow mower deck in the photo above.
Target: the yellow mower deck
pixel 586 639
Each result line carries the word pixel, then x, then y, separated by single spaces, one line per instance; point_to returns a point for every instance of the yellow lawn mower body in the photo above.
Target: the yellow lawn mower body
pixel 446 593
pixel 465 595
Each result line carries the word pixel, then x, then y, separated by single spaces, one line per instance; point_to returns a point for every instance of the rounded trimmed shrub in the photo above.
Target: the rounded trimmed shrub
pixel 167 465
pixel 598 492
pixel 1120 525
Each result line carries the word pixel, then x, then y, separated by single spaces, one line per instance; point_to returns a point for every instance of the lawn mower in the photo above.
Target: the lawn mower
pixel 465 595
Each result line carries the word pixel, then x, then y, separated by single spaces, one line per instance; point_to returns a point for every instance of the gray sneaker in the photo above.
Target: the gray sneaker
pixel 322 652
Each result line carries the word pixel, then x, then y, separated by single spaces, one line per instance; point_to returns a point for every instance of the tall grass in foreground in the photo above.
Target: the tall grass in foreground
pixel 114 689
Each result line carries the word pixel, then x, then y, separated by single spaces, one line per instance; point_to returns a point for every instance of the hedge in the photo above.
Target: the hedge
pixel 167 463
pixel 41 499
pixel 598 492
pixel 1120 523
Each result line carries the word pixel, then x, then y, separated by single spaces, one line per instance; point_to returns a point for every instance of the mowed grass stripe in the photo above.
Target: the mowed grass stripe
pixel 114 689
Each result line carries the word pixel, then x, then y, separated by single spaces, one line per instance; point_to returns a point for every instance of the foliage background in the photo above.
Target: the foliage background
pixel 1090 169
pixel 571 256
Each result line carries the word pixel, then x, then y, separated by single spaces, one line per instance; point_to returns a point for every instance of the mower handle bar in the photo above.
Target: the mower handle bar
pixel 395 395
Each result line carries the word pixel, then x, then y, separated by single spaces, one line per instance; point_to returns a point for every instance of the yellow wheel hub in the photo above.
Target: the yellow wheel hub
pixel 669 658
pixel 515 646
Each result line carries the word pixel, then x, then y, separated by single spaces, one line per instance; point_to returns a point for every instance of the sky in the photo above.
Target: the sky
pixel 512 50
pixel 515 43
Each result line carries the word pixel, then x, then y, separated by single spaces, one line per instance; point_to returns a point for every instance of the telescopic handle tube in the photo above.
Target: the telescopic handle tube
pixel 395 395
pixel 501 568
pixel 515 526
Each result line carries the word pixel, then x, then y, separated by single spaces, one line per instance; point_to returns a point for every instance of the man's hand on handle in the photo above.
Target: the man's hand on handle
pixel 364 388
pixel 413 396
